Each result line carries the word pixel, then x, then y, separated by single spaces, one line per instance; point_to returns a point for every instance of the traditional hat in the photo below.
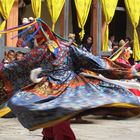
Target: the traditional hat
pixel 121 43
pixel 25 21
pixel 123 47
pixel 46 35
pixel 31 18
pixel 72 36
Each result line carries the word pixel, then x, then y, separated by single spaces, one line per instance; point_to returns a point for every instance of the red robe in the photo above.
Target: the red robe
pixel 61 131
pixel 125 62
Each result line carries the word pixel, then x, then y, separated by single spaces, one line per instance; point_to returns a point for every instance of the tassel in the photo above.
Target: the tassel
pixel 53 26
pixel 82 33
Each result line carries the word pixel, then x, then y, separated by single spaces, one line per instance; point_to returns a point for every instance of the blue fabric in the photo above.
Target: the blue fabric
pixel 33 111
pixel 78 93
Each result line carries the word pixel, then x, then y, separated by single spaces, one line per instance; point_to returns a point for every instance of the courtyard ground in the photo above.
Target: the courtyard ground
pixel 96 129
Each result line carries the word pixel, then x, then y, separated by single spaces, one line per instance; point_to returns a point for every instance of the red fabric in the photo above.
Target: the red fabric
pixel 135 91
pixel 137 67
pixel 123 61
pixel 40 37
pixel 61 131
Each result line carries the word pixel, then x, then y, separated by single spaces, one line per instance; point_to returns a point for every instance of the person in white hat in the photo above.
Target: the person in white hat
pixel 25 20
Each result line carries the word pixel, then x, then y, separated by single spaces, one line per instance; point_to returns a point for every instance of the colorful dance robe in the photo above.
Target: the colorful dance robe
pixel 64 91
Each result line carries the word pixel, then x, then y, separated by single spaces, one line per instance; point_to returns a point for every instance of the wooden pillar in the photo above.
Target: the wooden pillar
pixel 62 22
pixel 66 18
pixel 103 26
pixel 11 22
pixel 94 24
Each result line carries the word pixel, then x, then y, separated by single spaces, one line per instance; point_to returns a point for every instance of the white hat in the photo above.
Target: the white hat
pixel 31 18
pixel 25 21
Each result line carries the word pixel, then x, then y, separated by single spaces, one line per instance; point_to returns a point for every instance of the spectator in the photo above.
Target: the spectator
pixel 23 37
pixel 110 41
pixel 128 39
pixel 115 46
pixel 26 35
pixel 87 45
pixel 9 57
pixel 19 56
pixel 31 19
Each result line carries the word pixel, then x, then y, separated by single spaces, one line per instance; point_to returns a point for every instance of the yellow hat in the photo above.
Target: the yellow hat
pixel 71 36
pixel 121 43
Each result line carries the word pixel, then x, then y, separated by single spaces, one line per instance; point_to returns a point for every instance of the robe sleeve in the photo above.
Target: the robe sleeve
pixel 17 74
pixel 104 66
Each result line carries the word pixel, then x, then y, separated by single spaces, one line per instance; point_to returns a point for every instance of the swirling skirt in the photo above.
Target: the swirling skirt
pixel 46 104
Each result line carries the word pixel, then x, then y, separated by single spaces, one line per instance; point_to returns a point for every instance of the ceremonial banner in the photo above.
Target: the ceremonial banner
pixel 5 8
pixel 36 6
pixel 82 7
pixel 109 7
pixel 133 8
pixel 55 8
